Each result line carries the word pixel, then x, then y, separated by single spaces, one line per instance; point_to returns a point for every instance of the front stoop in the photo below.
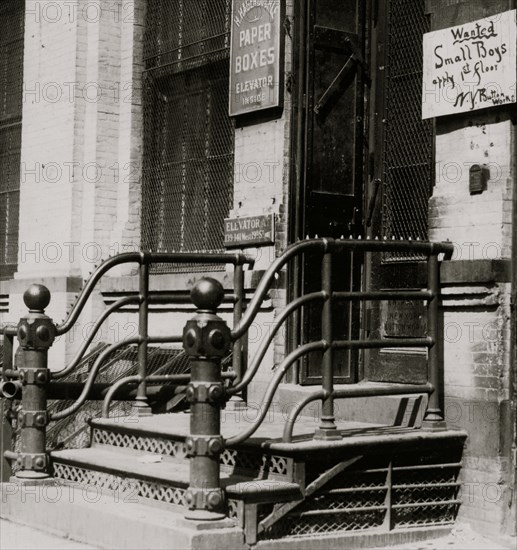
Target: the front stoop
pixel 378 486
pixel 102 521
pixel 85 515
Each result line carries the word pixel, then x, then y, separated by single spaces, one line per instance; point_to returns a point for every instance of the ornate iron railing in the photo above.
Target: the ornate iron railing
pixel 206 340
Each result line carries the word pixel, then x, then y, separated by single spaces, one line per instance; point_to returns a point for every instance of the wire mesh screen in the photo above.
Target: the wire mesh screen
pixel 188 135
pixel 409 157
pixel 11 82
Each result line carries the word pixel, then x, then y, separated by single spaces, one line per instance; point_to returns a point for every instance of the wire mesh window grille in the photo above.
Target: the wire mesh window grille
pixel 408 147
pixel 188 135
pixel 11 82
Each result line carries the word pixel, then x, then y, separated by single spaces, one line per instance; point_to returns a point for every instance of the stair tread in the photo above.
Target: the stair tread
pixel 268 437
pixel 177 426
pixel 166 472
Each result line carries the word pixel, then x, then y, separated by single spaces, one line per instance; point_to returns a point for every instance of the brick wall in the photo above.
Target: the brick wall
pixel 81 149
pixel 477 315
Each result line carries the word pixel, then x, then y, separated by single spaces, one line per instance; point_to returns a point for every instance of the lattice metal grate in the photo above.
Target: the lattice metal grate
pixel 261 465
pixel 126 489
pixel 409 157
pixel 323 523
pixel 443 514
pixel 188 135
pixel 158 445
pixel 11 81
pixel 382 492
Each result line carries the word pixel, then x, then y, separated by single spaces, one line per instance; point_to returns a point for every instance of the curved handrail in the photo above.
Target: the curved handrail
pixel 111 392
pixel 323 245
pixel 145 258
pixel 284 366
pixel 81 351
pixel 268 338
pixel 104 267
pixel 92 375
pixel 268 277
pixel 151 379
pixel 351 391
pixel 295 412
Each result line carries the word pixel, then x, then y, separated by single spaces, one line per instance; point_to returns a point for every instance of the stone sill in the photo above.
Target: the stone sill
pixel 476 272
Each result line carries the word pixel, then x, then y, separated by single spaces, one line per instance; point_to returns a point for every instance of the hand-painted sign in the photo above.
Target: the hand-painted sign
pixel 249 231
pixel 470 67
pixel 255 56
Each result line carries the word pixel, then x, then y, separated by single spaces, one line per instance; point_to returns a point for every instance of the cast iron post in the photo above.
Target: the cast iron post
pixel 36 333
pixel 206 340
pixel 434 415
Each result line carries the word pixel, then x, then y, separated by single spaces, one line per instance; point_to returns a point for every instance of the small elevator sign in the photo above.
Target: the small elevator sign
pixel 255 56
pixel 471 66
pixel 249 231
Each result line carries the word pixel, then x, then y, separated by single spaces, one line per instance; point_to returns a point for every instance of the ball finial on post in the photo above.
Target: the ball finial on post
pixel 207 294
pixel 37 297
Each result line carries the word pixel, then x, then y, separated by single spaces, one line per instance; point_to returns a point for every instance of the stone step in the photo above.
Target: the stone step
pixel 145 476
pixel 112 521
pixel 164 435
pixel 101 521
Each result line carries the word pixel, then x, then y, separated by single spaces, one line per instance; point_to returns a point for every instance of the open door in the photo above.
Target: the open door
pixel 333 169
pixel 401 179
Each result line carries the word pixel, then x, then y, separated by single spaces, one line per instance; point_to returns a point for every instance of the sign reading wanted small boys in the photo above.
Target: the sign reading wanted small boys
pixel 256 56
pixel 470 67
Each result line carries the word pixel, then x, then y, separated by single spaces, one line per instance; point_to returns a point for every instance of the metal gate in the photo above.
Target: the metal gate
pixel 408 140
pixel 188 135
pixel 403 172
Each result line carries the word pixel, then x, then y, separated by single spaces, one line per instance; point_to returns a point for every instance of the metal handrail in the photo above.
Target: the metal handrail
pixel 126 300
pixel 328 245
pixel 195 344
pixel 273 385
pixel 143 298
pixel 145 258
pixel 352 391
pixel 328 394
pixel 268 338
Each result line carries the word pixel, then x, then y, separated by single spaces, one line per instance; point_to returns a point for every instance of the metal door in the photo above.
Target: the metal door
pixel 333 168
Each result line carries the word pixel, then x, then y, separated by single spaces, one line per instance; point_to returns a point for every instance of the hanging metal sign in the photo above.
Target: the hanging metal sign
pixel 255 56
pixel 471 66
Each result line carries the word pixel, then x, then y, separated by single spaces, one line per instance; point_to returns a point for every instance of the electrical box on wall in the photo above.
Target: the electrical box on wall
pixel 478 178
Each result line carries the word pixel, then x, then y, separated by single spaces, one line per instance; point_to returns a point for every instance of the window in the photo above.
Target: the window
pixel 11 82
pixel 188 135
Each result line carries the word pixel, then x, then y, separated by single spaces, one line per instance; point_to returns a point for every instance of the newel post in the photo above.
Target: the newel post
pixel 36 333
pixel 206 340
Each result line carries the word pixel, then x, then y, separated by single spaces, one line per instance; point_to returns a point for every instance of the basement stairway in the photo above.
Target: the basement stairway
pixel 374 487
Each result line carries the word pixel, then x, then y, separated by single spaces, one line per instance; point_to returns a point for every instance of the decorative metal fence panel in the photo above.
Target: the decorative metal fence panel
pixel 11 82
pixel 409 154
pixel 188 135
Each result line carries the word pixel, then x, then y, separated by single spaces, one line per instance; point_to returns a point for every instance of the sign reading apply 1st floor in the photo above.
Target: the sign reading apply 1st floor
pixel 255 56
pixel 470 66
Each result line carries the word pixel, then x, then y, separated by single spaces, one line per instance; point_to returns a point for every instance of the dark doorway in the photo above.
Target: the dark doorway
pixel 332 173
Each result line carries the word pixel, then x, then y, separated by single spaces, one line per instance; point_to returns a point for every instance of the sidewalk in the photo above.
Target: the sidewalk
pixel 19 537
pixel 462 537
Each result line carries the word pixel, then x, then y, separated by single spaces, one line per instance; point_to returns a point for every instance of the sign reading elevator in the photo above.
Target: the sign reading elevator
pixel 255 56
